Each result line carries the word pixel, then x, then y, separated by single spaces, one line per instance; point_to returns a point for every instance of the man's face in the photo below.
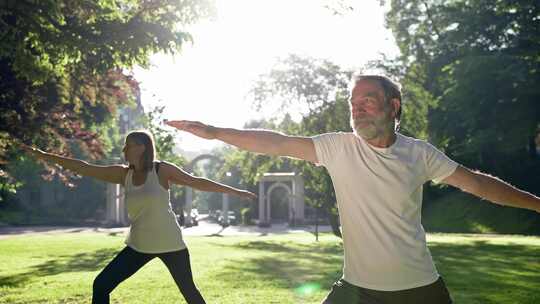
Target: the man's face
pixel 371 115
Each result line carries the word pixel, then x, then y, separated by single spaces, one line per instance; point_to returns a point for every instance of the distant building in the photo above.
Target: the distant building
pixel 293 209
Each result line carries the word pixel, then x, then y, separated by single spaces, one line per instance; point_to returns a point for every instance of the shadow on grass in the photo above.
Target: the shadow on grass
pixel 480 272
pixel 88 261
pixel 287 265
pixel 475 273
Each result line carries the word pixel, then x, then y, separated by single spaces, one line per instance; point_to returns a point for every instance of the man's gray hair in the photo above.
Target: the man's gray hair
pixel 390 88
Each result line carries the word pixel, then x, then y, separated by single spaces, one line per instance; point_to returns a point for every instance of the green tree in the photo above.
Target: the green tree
pixel 64 66
pixel 474 67
pixel 477 63
pixel 318 89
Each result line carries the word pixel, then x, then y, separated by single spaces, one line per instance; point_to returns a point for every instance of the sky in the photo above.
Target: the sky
pixel 209 80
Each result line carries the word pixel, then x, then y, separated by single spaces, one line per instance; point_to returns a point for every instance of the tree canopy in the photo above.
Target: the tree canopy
pixel 319 90
pixel 477 63
pixel 64 62
pixel 469 72
pixel 64 65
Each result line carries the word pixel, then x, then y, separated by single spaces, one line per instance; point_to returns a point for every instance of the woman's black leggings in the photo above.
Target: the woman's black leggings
pixel 128 261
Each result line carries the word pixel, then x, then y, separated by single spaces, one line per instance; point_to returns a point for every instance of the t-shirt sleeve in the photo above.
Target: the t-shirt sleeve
pixel 326 147
pixel 438 165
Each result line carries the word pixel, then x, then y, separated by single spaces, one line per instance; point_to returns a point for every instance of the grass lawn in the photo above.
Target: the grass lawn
pixel 281 269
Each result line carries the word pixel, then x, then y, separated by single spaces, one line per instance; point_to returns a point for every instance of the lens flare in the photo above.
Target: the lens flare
pixel 307 289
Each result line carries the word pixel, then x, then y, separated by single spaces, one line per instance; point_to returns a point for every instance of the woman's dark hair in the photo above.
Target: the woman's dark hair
pixel 145 138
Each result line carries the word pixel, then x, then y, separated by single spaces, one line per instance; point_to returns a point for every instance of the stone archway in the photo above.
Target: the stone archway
pixel 295 195
pixel 275 186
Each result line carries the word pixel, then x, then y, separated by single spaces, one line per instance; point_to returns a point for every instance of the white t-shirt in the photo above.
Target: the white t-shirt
pixel 379 198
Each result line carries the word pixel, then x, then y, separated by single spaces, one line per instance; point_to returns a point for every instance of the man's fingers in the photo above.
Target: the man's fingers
pixel 194 127
pixel 183 124
pixel 174 123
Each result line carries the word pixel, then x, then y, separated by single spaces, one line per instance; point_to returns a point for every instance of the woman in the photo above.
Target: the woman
pixel 154 231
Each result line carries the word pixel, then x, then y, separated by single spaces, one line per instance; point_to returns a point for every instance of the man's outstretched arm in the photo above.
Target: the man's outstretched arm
pixel 493 189
pixel 259 141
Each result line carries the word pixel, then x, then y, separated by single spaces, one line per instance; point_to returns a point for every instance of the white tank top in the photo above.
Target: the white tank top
pixel 154 228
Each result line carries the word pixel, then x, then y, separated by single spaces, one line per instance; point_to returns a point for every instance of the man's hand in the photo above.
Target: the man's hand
pixel 194 127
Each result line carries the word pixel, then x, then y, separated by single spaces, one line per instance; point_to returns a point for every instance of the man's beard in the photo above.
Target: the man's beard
pixel 372 127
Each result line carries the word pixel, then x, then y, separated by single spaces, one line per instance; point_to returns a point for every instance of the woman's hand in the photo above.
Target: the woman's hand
pixel 35 152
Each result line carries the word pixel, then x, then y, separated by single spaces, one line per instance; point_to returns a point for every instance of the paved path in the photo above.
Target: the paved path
pixel 203 229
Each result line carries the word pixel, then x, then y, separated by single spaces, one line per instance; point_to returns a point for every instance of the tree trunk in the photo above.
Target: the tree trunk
pixel 334 221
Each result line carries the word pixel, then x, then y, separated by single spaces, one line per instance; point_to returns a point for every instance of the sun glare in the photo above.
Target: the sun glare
pixel 210 79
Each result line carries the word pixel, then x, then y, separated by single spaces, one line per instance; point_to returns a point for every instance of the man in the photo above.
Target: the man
pixel 378 176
